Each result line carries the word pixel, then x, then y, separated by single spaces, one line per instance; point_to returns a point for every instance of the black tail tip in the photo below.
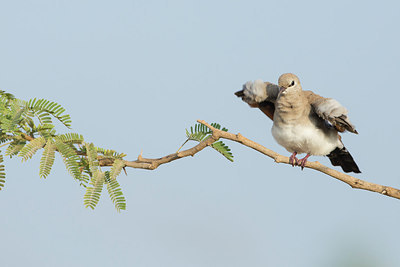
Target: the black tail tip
pixel 341 157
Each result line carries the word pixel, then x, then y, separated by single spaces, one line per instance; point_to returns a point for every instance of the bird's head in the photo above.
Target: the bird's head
pixel 288 82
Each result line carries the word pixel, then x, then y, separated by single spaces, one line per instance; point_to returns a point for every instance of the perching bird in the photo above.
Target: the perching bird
pixel 304 122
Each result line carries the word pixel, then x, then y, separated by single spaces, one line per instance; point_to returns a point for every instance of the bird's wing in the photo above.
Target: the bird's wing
pixel 259 94
pixel 331 111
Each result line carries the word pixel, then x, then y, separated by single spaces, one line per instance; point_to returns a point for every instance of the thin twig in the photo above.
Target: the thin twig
pixel 182 145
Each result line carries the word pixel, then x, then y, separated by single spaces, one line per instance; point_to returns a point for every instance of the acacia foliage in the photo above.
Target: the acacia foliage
pixel 27 127
pixel 200 132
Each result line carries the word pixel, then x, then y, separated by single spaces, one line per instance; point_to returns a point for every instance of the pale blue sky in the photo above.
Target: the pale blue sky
pixel 134 74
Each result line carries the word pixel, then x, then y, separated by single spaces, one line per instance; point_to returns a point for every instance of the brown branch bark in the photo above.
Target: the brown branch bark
pixel 151 164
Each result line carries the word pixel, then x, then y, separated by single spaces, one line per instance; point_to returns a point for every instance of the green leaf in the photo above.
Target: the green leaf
pixel 218 126
pixel 93 192
pixel 71 138
pixel 70 158
pixel 47 160
pixel 223 149
pixel 44 109
pixel 109 153
pixel 115 192
pixel 11 117
pixel 30 149
pixel 43 129
pixel 201 132
pixel 2 173
pixel 84 180
pixel 6 96
pixel 116 168
pixel 91 153
pixel 14 148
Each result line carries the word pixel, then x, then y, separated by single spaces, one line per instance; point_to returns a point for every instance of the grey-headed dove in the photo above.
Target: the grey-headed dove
pixel 303 122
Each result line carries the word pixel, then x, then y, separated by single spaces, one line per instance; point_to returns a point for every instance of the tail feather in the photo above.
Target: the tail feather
pixel 341 157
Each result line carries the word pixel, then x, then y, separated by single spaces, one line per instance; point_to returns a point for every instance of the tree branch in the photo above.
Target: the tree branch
pixel 151 164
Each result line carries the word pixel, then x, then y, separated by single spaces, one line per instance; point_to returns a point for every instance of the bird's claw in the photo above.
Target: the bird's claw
pixel 302 162
pixel 293 160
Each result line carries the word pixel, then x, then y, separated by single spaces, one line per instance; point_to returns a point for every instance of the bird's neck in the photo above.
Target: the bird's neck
pixel 291 105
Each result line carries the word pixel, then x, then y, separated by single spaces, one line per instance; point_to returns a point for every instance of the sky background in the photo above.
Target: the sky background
pixel 134 74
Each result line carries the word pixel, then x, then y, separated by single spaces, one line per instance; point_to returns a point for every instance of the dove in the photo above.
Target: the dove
pixel 303 122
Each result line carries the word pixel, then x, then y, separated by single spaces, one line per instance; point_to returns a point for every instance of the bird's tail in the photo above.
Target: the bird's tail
pixel 341 157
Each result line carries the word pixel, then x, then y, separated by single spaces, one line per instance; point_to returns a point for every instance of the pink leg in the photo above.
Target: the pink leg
pixel 302 162
pixel 293 160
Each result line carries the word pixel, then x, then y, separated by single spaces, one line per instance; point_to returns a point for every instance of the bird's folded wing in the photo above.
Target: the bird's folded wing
pixel 331 111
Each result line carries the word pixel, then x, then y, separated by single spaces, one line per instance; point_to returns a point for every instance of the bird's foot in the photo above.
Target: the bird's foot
pixel 293 160
pixel 302 162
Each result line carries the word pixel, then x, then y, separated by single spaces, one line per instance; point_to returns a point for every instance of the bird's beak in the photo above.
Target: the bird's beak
pixel 281 89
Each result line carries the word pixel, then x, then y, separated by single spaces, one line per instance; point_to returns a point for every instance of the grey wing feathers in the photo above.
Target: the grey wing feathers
pixel 258 91
pixel 272 91
pixel 332 111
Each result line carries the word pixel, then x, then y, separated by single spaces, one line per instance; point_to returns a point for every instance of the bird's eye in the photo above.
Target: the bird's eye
pixel 292 83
